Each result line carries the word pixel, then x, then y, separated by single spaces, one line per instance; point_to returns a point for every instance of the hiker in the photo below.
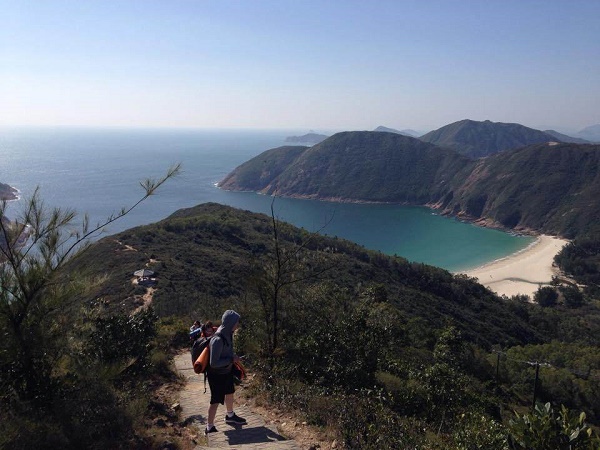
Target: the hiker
pixel 220 375
pixel 207 329
pixel 195 330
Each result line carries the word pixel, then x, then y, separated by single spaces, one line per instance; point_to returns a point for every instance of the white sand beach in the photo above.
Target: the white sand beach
pixel 522 272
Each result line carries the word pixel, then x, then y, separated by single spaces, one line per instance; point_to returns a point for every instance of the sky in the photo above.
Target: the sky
pixel 324 65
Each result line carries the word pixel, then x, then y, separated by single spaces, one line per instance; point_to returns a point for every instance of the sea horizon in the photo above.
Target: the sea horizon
pixel 97 171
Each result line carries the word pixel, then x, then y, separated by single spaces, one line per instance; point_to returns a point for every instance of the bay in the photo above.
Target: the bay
pixel 97 171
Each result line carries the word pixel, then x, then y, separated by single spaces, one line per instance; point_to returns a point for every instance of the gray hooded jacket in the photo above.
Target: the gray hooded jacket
pixel 221 345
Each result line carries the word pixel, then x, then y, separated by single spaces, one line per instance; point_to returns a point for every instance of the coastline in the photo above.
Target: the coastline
pixel 522 272
pixel 8 193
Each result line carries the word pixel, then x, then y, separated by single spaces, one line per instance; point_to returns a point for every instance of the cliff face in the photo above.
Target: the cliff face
pixel 552 187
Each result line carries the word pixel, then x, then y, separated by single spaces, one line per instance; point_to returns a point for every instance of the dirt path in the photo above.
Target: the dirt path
pixel 194 402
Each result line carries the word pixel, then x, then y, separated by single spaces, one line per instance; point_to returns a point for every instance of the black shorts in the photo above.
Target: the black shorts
pixel 220 386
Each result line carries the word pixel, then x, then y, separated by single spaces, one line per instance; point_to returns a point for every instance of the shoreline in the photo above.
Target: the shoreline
pixel 522 272
pixel 8 193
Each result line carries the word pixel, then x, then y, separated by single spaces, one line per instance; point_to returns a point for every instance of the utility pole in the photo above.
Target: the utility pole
pixel 535 384
pixel 498 369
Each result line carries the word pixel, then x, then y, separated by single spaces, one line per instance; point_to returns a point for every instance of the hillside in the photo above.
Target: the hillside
pixel 551 188
pixel 410 133
pixel 258 172
pixel 566 138
pixel 591 133
pixel 206 255
pixel 306 139
pixel 355 166
pixel 413 333
pixel 480 139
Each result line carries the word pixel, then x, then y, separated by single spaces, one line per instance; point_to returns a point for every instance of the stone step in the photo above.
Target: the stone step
pixel 194 402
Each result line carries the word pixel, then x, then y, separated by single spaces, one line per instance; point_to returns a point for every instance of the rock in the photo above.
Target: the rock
pixel 167 445
pixel 175 406
pixel 334 444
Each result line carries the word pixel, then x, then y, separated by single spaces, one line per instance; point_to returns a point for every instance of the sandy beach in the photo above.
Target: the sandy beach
pixel 522 272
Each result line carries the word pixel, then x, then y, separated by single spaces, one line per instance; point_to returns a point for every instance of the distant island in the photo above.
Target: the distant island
pixel 591 133
pixel 411 133
pixel 307 139
pixel 8 192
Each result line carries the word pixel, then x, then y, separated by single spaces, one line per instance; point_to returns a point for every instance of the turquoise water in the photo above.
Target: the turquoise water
pixel 98 172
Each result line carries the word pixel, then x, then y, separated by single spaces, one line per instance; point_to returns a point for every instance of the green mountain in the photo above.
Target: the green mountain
pixel 359 166
pixel 204 257
pixel 480 139
pixel 566 138
pixel 258 172
pixel 551 188
pixel 398 323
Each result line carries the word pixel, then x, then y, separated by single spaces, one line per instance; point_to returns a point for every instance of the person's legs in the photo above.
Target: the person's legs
pixel 212 413
pixel 231 417
pixel 228 403
pixel 217 395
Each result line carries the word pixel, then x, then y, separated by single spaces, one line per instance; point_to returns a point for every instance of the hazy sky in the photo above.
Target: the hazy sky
pixel 325 65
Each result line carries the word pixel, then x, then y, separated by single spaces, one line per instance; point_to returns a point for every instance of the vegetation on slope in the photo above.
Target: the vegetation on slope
pixel 360 334
pixel 480 139
pixel 360 166
pixel 551 188
pixel 71 377
pixel 580 259
pixel 340 334
pixel 207 254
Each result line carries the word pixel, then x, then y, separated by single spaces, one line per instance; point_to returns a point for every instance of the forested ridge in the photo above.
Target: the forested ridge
pixel 549 187
pixel 335 333
pixel 447 354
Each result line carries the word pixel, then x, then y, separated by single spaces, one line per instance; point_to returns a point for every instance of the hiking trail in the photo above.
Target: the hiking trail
pixel 256 435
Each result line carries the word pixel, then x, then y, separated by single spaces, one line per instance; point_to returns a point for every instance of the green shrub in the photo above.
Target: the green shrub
pixel 546 429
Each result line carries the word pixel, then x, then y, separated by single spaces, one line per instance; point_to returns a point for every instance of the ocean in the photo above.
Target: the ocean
pixel 97 172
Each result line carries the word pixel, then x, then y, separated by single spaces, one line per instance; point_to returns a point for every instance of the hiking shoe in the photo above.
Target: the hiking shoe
pixel 235 419
pixel 212 429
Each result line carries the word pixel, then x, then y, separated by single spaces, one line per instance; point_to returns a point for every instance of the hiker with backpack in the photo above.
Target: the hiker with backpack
pixel 220 374
pixel 195 331
pixel 208 330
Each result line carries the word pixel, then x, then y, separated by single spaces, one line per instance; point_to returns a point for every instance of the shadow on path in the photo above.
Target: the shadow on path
pixel 194 402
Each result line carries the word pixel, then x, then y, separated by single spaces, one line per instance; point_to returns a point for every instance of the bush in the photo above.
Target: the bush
pixel 546 297
pixel 545 429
